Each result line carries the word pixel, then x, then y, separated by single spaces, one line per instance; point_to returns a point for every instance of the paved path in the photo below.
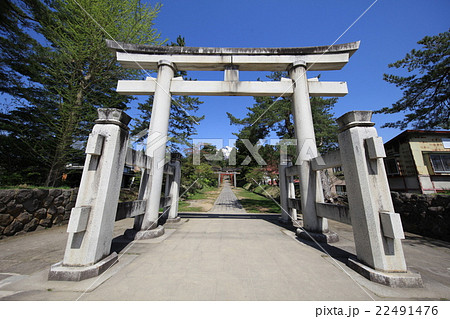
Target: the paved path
pixel 227 202
pixel 211 256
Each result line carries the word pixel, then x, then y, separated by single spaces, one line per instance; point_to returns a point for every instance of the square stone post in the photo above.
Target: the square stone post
pixel 291 194
pixel 377 228
pixel 284 193
pixel 313 226
pixel 174 192
pixel 156 149
pixel 168 184
pixel 92 219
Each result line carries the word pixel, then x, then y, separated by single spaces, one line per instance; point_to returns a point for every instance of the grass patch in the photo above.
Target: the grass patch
pixel 204 193
pixel 254 203
pixel 184 207
pixel 202 201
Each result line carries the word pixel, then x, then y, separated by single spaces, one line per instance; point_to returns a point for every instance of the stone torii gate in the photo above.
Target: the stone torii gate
pixel 222 174
pixel 166 60
pixel 376 226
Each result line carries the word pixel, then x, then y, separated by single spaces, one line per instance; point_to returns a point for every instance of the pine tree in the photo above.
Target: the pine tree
pixel 274 114
pixel 426 91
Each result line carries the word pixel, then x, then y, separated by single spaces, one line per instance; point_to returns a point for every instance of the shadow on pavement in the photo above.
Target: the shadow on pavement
pixel 271 218
pixel 335 252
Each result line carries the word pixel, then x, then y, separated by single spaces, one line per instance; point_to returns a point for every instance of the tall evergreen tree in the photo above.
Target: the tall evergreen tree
pixel 59 70
pixel 426 91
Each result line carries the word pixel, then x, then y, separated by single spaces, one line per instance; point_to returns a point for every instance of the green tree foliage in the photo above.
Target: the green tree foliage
pixel 426 91
pixel 58 70
pixel 196 176
pixel 182 121
pixel 274 114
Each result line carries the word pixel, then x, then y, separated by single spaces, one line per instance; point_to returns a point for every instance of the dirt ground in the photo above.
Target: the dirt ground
pixel 205 204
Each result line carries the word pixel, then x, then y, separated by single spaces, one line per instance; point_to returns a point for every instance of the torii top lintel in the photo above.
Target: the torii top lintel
pixel 332 57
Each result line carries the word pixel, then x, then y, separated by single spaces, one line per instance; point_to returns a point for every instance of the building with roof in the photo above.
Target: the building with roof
pixel 418 161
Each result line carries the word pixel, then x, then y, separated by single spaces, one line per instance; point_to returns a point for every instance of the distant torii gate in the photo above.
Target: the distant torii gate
pixel 222 174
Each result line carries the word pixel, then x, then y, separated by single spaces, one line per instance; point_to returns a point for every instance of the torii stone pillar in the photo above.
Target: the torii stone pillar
pixel 156 149
pixel 310 189
pixel 92 219
pixel 376 227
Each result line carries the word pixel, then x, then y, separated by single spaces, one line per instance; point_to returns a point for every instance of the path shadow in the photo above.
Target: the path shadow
pixel 271 218
pixel 419 240
pixel 119 243
pixel 327 249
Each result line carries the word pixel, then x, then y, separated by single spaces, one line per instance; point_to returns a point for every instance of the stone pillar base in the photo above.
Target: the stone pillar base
pixel 329 237
pixel 59 272
pixel 391 279
pixel 284 221
pixel 144 234
pixel 173 220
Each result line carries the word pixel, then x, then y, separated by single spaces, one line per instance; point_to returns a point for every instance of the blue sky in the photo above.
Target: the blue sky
pixel 387 31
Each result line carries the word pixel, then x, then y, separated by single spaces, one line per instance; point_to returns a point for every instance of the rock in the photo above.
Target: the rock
pixel 2 209
pixel 31 204
pixel 58 220
pixel 51 210
pixel 440 200
pixel 6 195
pixel 407 195
pixel 59 200
pixel 40 213
pixel 395 195
pixel 23 195
pixel 24 218
pixel 14 209
pixel 1 231
pixel 5 219
pixel 32 225
pixel 45 222
pixel 436 210
pixel 55 192
pixel 67 215
pixel 66 199
pixel 48 201
pixel 40 193
pixel 60 210
pixel 13 228
pixel 70 206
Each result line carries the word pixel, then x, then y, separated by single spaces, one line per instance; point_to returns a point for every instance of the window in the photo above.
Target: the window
pixel 391 166
pixel 440 163
pixel 341 189
pixel 446 142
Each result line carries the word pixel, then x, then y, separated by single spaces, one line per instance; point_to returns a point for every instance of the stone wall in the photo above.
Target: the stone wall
pixel 25 210
pixel 427 215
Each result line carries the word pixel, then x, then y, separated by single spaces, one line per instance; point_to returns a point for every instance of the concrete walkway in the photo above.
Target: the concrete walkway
pixel 227 202
pixel 211 256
